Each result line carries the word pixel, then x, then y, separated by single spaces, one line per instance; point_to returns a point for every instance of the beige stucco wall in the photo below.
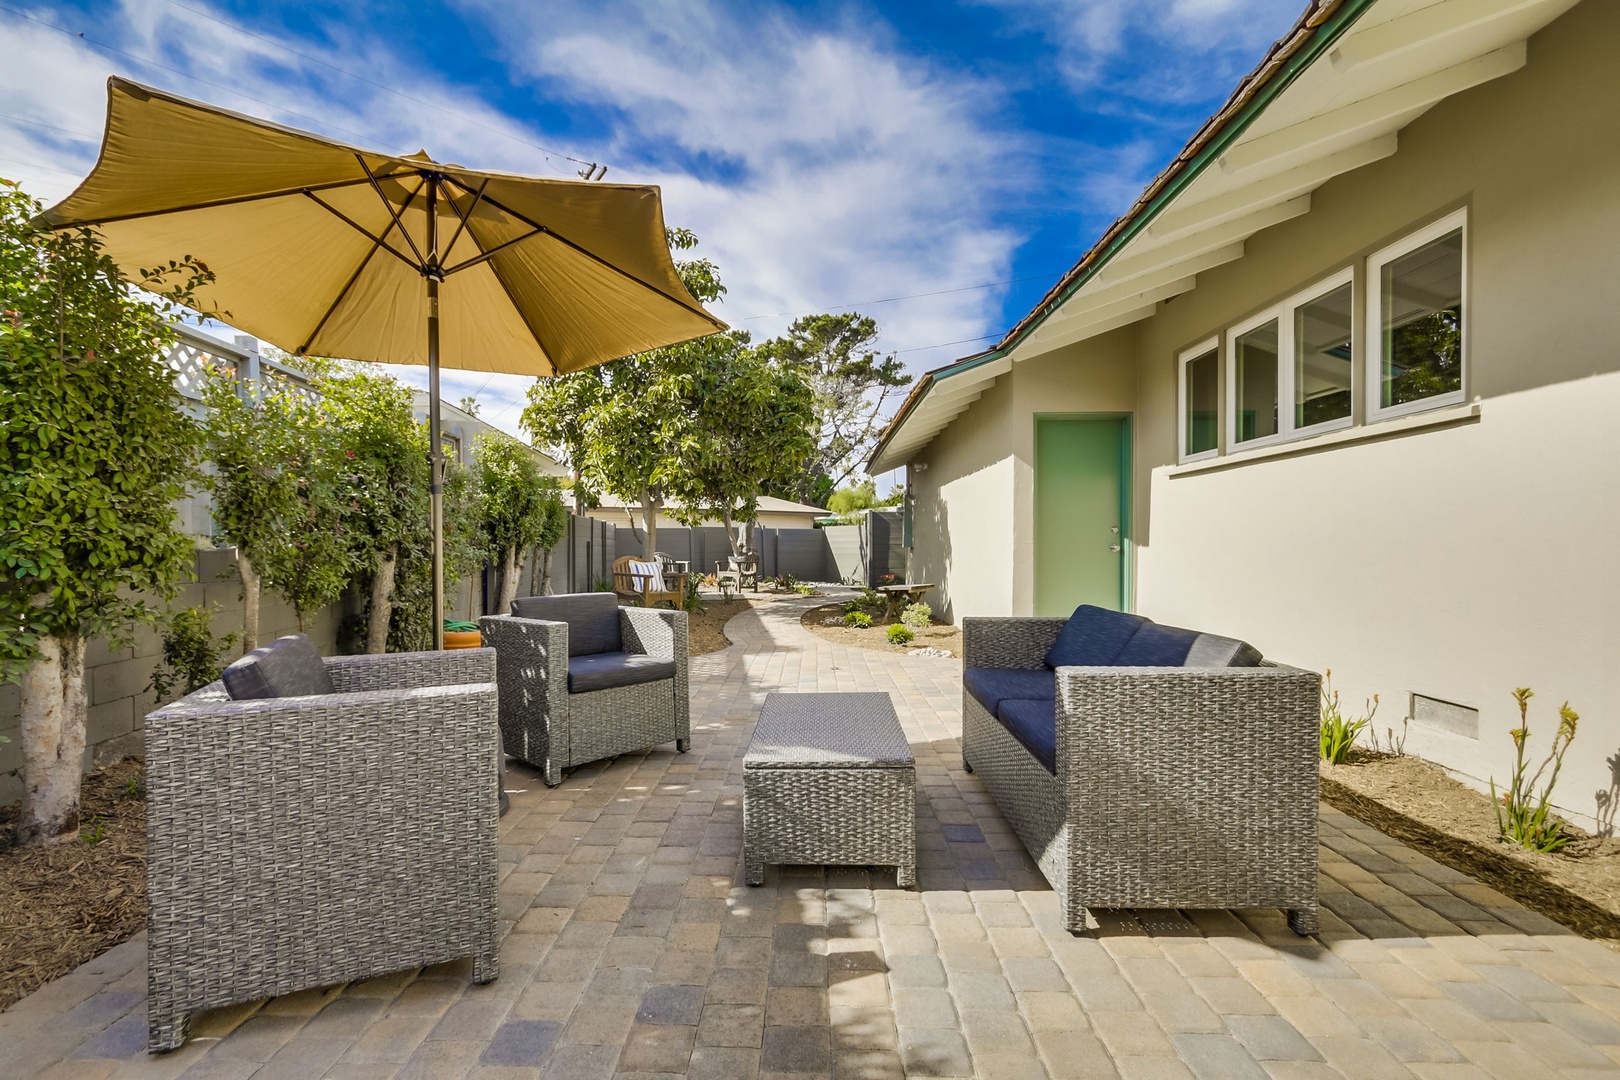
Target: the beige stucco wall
pixel 1461 561
pixel 963 516
pixel 1457 561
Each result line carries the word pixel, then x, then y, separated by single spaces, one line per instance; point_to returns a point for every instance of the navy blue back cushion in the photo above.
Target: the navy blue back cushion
pixel 1093 637
pixel 1034 725
pixel 991 686
pixel 1157 646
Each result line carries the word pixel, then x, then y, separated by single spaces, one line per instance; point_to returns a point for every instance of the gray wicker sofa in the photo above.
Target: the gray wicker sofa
pixel 301 841
pixel 584 679
pixel 1146 766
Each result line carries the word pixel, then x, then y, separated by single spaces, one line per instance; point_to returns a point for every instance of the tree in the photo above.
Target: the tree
pixel 624 431
pixel 512 505
pixel 851 382
pixel 94 452
pixel 411 626
pixel 553 527
pixel 383 476
pixel 853 499
pixel 312 562
pixel 248 435
pixel 752 424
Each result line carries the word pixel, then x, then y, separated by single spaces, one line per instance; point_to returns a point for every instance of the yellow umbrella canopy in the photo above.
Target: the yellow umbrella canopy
pixel 324 248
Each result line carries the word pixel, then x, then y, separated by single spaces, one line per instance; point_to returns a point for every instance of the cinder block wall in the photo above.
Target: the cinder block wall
pixel 117 679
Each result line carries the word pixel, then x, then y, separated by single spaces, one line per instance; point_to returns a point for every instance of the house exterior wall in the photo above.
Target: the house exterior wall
pixel 1456 560
pixel 1463 560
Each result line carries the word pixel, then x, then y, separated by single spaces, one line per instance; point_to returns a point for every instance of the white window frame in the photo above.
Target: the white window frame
pixel 1372 366
pixel 1344 277
pixel 1233 443
pixel 1202 349
pixel 1283 313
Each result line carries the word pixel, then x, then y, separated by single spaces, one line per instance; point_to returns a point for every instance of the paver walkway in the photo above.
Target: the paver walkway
pixel 635 950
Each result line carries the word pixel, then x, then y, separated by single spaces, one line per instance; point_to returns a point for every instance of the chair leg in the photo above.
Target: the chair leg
pixel 905 875
pixel 753 872
pixel 487 967
pixel 967 766
pixel 683 745
pixel 1304 921
pixel 551 774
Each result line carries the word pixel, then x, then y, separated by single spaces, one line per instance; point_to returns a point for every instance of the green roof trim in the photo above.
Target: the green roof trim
pixel 1321 37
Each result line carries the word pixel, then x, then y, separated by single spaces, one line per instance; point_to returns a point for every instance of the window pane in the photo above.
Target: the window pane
pixel 1421 319
pixel 1199 423
pixel 1322 360
pixel 1256 359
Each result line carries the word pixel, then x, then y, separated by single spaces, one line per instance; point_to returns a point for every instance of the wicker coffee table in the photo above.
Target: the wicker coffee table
pixel 829 780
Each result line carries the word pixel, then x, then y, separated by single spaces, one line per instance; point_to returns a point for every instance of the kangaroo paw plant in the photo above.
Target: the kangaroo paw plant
pixel 1523 814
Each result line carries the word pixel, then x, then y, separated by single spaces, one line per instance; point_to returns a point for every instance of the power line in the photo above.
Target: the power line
pixel 907 296
pixel 547 151
pixel 941 345
pixel 53 127
pixel 40 165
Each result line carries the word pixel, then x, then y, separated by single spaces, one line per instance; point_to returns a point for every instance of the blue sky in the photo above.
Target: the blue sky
pixel 959 155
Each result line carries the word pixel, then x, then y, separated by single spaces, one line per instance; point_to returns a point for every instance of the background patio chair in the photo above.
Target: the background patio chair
pixel 584 679
pixel 638 586
pixel 301 841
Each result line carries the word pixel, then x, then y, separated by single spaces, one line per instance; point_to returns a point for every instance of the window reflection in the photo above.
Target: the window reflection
pixel 1255 356
pixel 1201 376
pixel 1322 359
pixel 1421 320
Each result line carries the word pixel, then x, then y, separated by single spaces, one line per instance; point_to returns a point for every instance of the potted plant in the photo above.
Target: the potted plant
pixel 460 634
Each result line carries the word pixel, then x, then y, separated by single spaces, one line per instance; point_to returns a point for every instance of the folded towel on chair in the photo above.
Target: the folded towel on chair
pixel 647 576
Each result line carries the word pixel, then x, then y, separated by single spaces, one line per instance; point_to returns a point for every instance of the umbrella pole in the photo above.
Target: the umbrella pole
pixel 435 444
pixel 436 459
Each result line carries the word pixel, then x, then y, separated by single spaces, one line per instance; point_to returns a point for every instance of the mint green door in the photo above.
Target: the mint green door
pixel 1080 512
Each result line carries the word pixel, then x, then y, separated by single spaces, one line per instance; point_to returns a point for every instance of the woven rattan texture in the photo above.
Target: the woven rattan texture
pixel 851 813
pixel 1176 787
pixel 551 729
pixel 830 730
pixel 301 842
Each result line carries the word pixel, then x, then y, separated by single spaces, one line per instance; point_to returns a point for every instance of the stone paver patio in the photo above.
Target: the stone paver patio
pixel 635 950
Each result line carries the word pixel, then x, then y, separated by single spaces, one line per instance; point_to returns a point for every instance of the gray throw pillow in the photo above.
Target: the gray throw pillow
pixel 290 666
pixel 592 618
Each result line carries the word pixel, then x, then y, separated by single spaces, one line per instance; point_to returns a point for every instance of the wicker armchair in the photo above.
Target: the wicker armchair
pixel 1175 787
pixel 304 841
pixel 579 683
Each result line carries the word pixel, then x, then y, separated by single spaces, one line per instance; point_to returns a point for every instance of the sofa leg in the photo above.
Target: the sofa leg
pixel 1303 921
pixel 486 967
pixel 166 1029
pixel 683 745
pixel 967 766
pixel 905 875
pixel 753 872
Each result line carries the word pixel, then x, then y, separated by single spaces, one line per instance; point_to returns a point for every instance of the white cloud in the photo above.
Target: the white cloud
pixel 1166 53
pixel 818 166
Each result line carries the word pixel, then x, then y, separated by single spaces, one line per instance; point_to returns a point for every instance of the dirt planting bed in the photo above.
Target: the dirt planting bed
pixel 66 903
pixel 948 638
pixel 1418 803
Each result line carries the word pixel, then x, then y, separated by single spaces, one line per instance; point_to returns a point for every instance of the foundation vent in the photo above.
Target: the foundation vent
pixel 1445 715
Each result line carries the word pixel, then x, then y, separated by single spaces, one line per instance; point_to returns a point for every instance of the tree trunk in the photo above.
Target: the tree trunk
pixel 545 573
pixel 251 587
pixel 509 580
pixel 649 521
pixel 579 495
pixel 53 713
pixel 733 534
pixel 382 602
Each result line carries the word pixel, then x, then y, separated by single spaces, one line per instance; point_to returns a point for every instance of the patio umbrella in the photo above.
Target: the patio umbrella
pixel 324 248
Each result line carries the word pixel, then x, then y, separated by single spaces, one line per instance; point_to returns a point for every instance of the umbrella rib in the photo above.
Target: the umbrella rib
pixel 363 231
pixel 461 228
pixel 693 308
pixel 282 193
pixel 491 253
pixel 348 285
pixel 389 206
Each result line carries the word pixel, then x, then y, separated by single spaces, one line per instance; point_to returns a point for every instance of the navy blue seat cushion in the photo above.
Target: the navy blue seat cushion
pixel 604 671
pixel 592 618
pixel 1034 724
pixel 289 666
pixel 991 686
pixel 1093 637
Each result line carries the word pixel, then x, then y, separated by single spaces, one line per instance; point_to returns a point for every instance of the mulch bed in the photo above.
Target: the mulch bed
pixel 70 902
pixel 705 630
pixel 1416 802
pixel 940 637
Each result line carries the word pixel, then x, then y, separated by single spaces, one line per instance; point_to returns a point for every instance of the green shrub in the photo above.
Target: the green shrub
pixel 1523 816
pixel 860 620
pixel 191 655
pixel 871 600
pixel 1339 732
pixel 918 616
pixel 851 607
pixel 899 634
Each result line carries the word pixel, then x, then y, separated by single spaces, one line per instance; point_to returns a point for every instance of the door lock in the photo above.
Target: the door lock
pixel 1114 548
pixel 1114 529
